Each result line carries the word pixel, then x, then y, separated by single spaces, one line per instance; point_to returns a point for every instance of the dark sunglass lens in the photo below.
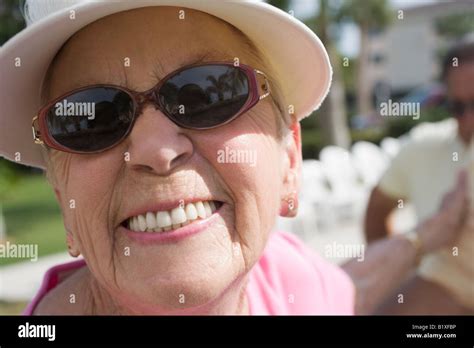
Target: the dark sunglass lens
pixel 205 96
pixel 91 120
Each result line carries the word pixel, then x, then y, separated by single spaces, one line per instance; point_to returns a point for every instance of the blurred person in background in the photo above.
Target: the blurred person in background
pixel 424 170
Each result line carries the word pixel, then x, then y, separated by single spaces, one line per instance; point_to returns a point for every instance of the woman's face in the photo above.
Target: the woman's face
pixel 161 165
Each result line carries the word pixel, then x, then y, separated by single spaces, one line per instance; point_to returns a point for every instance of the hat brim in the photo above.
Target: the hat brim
pixel 296 53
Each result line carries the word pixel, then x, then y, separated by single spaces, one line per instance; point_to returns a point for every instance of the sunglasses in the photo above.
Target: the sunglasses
pixel 96 118
pixel 459 108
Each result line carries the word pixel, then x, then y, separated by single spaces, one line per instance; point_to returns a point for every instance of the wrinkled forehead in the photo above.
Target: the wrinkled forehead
pixel 136 48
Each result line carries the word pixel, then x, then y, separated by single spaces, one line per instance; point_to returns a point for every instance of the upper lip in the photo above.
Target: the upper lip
pixel 163 206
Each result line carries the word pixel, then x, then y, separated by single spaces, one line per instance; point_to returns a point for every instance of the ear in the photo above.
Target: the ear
pixel 72 247
pixel 291 172
pixel 57 194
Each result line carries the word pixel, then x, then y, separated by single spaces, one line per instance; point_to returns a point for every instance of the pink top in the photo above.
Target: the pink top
pixel 289 279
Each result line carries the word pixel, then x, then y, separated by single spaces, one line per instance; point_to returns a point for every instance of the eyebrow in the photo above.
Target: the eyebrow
pixel 205 57
pixel 158 73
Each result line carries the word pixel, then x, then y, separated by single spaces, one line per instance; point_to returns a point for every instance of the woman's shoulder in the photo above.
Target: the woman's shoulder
pixel 296 280
pixel 58 291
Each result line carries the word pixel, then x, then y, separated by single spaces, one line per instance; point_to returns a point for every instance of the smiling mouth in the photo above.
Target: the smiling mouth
pixel 167 220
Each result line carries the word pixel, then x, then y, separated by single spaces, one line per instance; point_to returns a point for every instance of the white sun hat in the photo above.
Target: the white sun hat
pixel 296 53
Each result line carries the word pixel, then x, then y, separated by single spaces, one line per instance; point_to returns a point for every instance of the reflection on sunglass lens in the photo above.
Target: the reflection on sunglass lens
pixel 92 119
pixel 205 96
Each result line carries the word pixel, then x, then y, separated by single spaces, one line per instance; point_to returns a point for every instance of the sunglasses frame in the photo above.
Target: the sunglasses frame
pixel 42 136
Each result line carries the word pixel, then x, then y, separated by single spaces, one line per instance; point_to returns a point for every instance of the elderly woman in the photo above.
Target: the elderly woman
pixel 169 131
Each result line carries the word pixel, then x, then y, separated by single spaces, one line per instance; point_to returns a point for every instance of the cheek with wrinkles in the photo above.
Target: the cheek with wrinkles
pixel 255 191
pixel 88 188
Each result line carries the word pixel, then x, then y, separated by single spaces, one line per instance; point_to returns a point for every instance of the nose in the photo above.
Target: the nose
pixel 156 144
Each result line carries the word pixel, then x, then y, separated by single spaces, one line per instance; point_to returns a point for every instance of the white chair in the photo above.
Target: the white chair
pixel 347 191
pixel 314 198
pixel 314 186
pixel 391 146
pixel 370 162
pixel 339 168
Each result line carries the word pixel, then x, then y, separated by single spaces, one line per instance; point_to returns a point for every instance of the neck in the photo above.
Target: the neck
pixel 103 302
pixel 465 137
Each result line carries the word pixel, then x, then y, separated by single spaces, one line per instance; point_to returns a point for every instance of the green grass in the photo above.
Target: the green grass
pixel 12 308
pixel 32 216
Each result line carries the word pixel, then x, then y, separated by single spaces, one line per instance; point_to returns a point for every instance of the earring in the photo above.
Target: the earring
pixel 290 205
pixel 70 245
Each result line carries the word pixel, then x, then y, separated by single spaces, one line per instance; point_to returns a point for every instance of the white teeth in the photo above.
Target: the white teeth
pixel 208 209
pixel 141 223
pixel 167 220
pixel 150 220
pixel 178 216
pixel 191 212
pixel 200 210
pixel 163 219
pixel 213 206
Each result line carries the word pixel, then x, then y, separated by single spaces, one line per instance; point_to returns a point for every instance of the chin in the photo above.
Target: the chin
pixel 177 290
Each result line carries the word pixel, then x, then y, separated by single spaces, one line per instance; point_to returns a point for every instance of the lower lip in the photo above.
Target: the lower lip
pixel 172 236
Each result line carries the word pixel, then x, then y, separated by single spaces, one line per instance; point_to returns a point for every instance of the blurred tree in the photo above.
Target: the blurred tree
pixel 11 19
pixel 332 117
pixel 367 15
pixel 7 181
pixel 281 4
pixel 455 26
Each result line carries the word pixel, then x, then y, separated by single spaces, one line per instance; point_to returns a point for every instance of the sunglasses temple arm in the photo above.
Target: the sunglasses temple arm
pixel 266 86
